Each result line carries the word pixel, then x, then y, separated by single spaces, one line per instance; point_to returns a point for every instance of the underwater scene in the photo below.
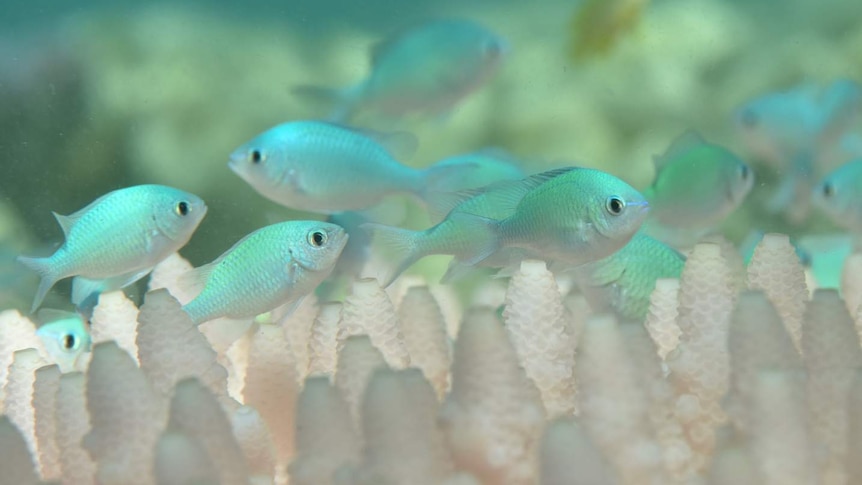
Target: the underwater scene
pixel 475 242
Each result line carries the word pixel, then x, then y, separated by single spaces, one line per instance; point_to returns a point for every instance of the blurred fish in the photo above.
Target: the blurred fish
pixel 838 195
pixel 623 282
pixel 273 266
pixel 118 239
pixel 573 215
pixel 484 167
pixel 322 167
pixel 697 185
pixel 597 25
pixel 427 69
pixel 795 131
pixel 65 337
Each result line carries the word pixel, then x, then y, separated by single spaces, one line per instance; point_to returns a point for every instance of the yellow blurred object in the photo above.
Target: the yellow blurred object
pixel 598 24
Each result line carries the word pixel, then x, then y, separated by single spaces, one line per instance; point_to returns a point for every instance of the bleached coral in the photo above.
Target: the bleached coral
pixel 359 421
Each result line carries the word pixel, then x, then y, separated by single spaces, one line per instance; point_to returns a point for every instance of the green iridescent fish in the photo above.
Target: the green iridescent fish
pixel 839 197
pixel 574 215
pixel 271 267
pixel 424 70
pixel 623 282
pixel 118 239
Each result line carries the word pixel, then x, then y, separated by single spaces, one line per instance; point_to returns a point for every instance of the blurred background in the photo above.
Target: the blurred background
pixel 98 95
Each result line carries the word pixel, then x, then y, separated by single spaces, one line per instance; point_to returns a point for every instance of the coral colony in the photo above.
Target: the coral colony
pixel 735 376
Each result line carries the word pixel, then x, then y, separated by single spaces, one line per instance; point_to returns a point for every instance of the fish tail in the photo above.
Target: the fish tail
pixel 45 268
pixel 343 102
pixel 402 247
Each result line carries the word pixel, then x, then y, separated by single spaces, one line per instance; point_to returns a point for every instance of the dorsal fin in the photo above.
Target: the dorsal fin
pixel 66 222
pixel 505 193
pixel 679 146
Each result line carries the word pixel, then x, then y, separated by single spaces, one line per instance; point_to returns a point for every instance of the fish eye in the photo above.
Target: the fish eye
pixel 69 341
pixel 182 208
pixel 828 189
pixel 749 118
pixel 317 238
pixel 744 172
pixel 615 205
pixel 256 156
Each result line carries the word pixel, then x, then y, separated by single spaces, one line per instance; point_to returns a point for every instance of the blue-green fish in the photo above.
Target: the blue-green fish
pixel 794 131
pixel 322 167
pixel 65 337
pixel 118 239
pixel 273 266
pixel 697 185
pixel 424 70
pixel 574 215
pixel 838 195
pixel 623 282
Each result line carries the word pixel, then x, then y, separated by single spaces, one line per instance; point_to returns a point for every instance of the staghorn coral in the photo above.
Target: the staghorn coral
pixel 369 310
pixel 170 347
pixel 322 344
pixel 425 336
pixel 44 402
pixel 536 323
pixel 72 422
pixel 775 269
pixel 326 442
pixel 493 415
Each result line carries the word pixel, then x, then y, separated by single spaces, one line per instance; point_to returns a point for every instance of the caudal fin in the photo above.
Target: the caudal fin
pixel 44 268
pixel 343 103
pixel 401 247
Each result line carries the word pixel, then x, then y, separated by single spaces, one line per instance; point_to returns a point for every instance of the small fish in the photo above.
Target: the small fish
pixel 796 132
pixel 65 337
pixel 118 239
pixel 697 185
pixel 571 214
pixel 838 196
pixel 623 282
pixel 599 24
pixel 426 70
pixel 485 167
pixel 270 267
pixel 322 167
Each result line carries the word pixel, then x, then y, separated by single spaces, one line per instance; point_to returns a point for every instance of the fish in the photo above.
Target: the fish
pixel 623 282
pixel 276 265
pixel 485 166
pixel 598 25
pixel 796 132
pixel 65 336
pixel 118 239
pixel 837 195
pixel 570 214
pixel 325 168
pixel 427 70
pixel 697 185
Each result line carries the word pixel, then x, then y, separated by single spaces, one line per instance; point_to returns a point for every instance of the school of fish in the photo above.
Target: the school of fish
pixel 487 210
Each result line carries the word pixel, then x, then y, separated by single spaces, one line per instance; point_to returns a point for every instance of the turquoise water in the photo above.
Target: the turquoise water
pixel 102 95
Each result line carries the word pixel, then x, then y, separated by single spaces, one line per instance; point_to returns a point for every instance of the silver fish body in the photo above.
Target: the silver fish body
pixel 119 238
pixel 270 267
